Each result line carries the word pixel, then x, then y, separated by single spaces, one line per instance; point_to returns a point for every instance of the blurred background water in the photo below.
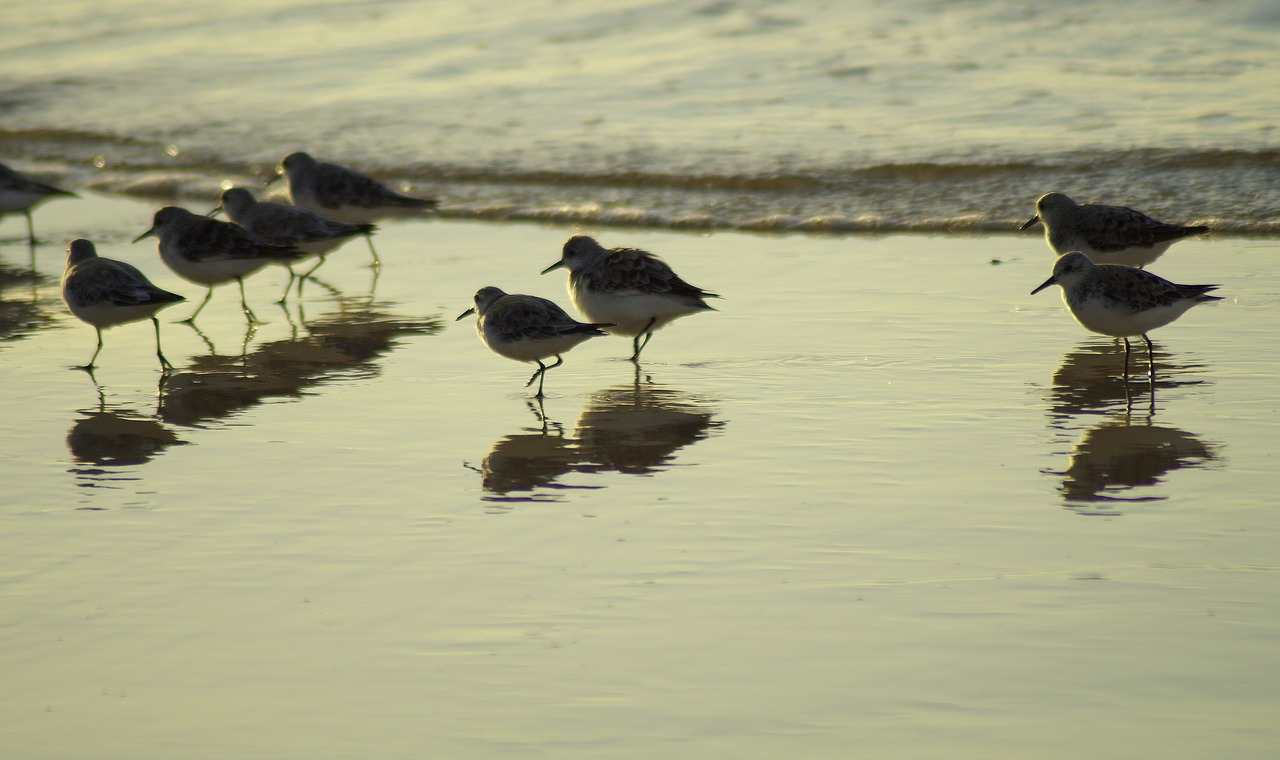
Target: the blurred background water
pixel 911 114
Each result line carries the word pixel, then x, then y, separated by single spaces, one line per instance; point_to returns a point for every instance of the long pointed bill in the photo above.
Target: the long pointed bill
pixel 148 233
pixel 1031 221
pixel 1045 284
pixel 466 313
pixel 214 211
pixel 553 267
pixel 279 175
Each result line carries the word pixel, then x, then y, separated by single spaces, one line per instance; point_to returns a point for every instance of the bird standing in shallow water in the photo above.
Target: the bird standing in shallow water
pixel 527 328
pixel 1122 301
pixel 633 289
pixel 1106 234
pixel 289 226
pixel 345 195
pixel 105 292
pixel 18 192
pixel 209 252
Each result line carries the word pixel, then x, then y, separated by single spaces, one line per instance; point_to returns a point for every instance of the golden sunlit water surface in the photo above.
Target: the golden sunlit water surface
pixel 882 503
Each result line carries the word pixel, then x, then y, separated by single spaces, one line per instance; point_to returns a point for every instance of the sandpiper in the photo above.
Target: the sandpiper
pixel 1122 301
pixel 527 328
pixel 1106 234
pixel 633 289
pixel 105 292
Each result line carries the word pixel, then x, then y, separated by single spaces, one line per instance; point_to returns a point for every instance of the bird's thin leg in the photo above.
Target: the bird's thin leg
pixel 637 345
pixel 1151 359
pixel 31 230
pixel 542 371
pixel 164 363
pixel 541 368
pixel 244 304
pixel 310 272
pixel 1126 358
pixel 288 286
pixel 537 375
pixel 191 320
pixel 377 262
pixel 89 367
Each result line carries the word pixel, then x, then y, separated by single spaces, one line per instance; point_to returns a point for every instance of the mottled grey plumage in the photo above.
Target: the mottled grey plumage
pixel 629 287
pixel 289 226
pixel 105 292
pixel 1106 234
pixel 1122 301
pixel 345 195
pixel 18 192
pixel 211 252
pixel 527 328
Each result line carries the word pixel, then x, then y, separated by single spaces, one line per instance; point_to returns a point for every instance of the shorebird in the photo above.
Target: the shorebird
pixel 288 226
pixel 1122 301
pixel 209 252
pixel 1106 234
pixel 105 292
pixel 18 192
pixel 345 195
pixel 527 328
pixel 633 289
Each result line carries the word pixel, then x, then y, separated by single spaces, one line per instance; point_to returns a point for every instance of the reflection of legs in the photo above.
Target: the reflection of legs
pixel 164 363
pixel 542 370
pixel 244 303
pixel 539 412
pixel 89 367
pixel 637 345
pixel 191 320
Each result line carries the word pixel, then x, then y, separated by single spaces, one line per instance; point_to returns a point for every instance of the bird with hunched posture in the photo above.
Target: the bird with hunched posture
pixel 633 289
pixel 105 292
pixel 527 328
pixel 289 226
pixel 1106 234
pixel 345 195
pixel 209 252
pixel 18 192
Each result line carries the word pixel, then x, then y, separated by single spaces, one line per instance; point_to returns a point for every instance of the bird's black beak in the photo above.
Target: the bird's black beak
pixel 214 211
pixel 148 233
pixel 1045 284
pixel 466 313
pixel 553 267
pixel 1033 220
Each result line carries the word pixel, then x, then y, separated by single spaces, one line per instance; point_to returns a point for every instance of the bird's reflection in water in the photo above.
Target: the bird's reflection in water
pixel 342 344
pixel 522 465
pixel 105 442
pixel 23 308
pixel 637 429
pixel 1118 459
pixel 633 429
pixel 1090 380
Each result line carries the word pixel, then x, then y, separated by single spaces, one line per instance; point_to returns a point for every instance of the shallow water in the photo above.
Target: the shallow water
pixel 883 502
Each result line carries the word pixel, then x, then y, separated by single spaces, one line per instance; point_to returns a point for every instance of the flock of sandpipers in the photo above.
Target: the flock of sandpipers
pixel 624 291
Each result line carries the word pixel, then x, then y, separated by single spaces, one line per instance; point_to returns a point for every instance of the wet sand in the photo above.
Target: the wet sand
pixel 883 502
